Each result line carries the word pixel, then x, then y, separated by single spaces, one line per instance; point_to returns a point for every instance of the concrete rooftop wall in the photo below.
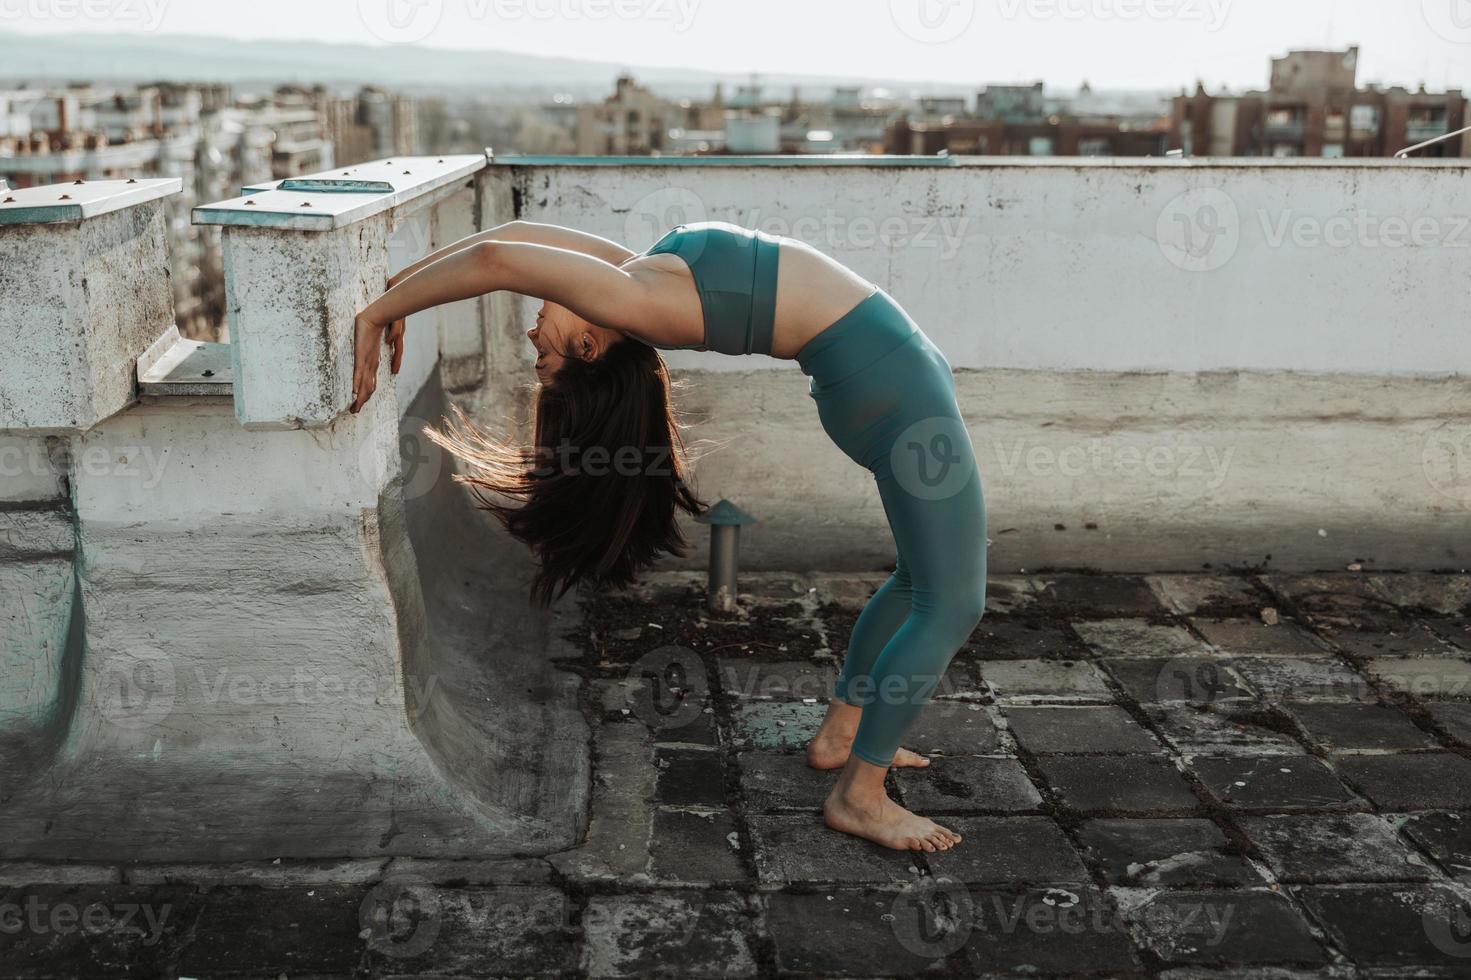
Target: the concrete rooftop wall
pixel 1163 363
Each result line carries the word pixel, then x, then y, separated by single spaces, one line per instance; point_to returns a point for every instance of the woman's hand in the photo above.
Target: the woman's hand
pixel 367 345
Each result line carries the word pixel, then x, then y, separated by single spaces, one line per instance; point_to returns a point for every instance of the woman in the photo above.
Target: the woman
pixel 885 395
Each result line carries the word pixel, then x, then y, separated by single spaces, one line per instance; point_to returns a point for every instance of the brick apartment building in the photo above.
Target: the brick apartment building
pixel 1313 107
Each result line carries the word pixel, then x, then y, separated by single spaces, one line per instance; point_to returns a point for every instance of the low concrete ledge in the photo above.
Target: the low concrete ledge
pixel 79 200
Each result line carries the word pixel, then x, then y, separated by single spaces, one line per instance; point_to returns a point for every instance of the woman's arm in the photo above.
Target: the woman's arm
pixel 531 233
pixel 595 290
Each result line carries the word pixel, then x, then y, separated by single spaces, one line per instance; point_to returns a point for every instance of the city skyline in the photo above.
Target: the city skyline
pixel 1138 44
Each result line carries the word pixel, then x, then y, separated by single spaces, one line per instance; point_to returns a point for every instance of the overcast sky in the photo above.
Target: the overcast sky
pixel 1112 43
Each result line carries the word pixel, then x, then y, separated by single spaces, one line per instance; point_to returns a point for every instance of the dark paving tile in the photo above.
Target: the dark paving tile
pixel 1139 638
pixel 1253 638
pixel 1455 630
pixel 413 931
pixel 684 934
pixel 1246 926
pixel 1008 851
pixel 1219 596
pixel 1118 784
pixel 1394 925
pixel 1412 640
pixel 954 728
pixel 1454 717
pixel 690 777
pixel 1446 837
pixel 968 785
pixel 1425 592
pixel 787 680
pixel 1045 680
pixel 696 846
pixel 854 933
pixel 1273 782
pixel 775 724
pixel 1200 680
pixel 1052 931
pixel 1012 638
pixel 782 781
pixel 1345 599
pixel 803 849
pixel 1165 851
pixel 1303 679
pixel 1359 726
pixel 249 932
pixel 1327 847
pixel 1067 729
pixel 95 930
pixel 1430 781
pixel 1226 728
pixel 1099 596
pixel 691 727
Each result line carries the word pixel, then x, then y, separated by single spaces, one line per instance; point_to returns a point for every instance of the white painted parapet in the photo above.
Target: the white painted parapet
pixel 1163 363
pixel 302 256
pixel 84 294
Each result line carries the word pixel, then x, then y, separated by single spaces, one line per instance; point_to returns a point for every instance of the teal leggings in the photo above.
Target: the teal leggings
pixel 886 397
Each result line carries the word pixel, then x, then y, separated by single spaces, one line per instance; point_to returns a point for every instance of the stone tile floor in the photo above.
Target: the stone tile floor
pixel 1151 781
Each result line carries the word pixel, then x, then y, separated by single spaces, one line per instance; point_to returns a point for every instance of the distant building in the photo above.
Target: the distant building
pixel 371 125
pixel 1313 107
pixel 1021 120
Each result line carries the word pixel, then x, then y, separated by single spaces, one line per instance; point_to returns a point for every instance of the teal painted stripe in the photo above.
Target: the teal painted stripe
pixel 45 214
pixel 793 160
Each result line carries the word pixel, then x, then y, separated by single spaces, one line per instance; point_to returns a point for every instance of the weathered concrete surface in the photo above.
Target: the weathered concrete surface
pixel 293 681
pixel 81 302
pixel 1242 406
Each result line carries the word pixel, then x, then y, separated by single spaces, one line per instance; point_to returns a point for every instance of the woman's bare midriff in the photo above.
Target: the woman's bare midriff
pixel 813 291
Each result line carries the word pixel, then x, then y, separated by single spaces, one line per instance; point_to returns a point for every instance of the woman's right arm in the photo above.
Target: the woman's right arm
pixel 530 233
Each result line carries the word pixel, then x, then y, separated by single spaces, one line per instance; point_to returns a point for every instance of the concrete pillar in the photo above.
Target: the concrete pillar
pixel 84 290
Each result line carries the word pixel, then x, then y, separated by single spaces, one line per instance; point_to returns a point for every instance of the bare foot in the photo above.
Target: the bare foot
pixel 832 751
pixel 885 822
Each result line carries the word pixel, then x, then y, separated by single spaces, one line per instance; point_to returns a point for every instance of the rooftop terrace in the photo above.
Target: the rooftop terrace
pixel 242 625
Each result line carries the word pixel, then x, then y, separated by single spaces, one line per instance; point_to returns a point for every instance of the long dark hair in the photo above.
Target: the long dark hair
pixel 597 495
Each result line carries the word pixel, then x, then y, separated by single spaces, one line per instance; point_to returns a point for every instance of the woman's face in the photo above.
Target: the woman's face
pixel 559 333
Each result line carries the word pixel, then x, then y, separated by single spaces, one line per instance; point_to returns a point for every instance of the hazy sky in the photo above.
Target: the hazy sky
pixel 1112 43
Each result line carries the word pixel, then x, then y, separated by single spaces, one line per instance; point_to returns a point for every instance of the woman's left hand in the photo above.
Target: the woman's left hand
pixel 367 344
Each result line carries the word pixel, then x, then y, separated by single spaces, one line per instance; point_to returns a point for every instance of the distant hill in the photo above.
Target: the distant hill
pixel 58 58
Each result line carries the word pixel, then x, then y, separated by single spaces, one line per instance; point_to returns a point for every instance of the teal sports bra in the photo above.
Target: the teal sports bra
pixel 734 269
